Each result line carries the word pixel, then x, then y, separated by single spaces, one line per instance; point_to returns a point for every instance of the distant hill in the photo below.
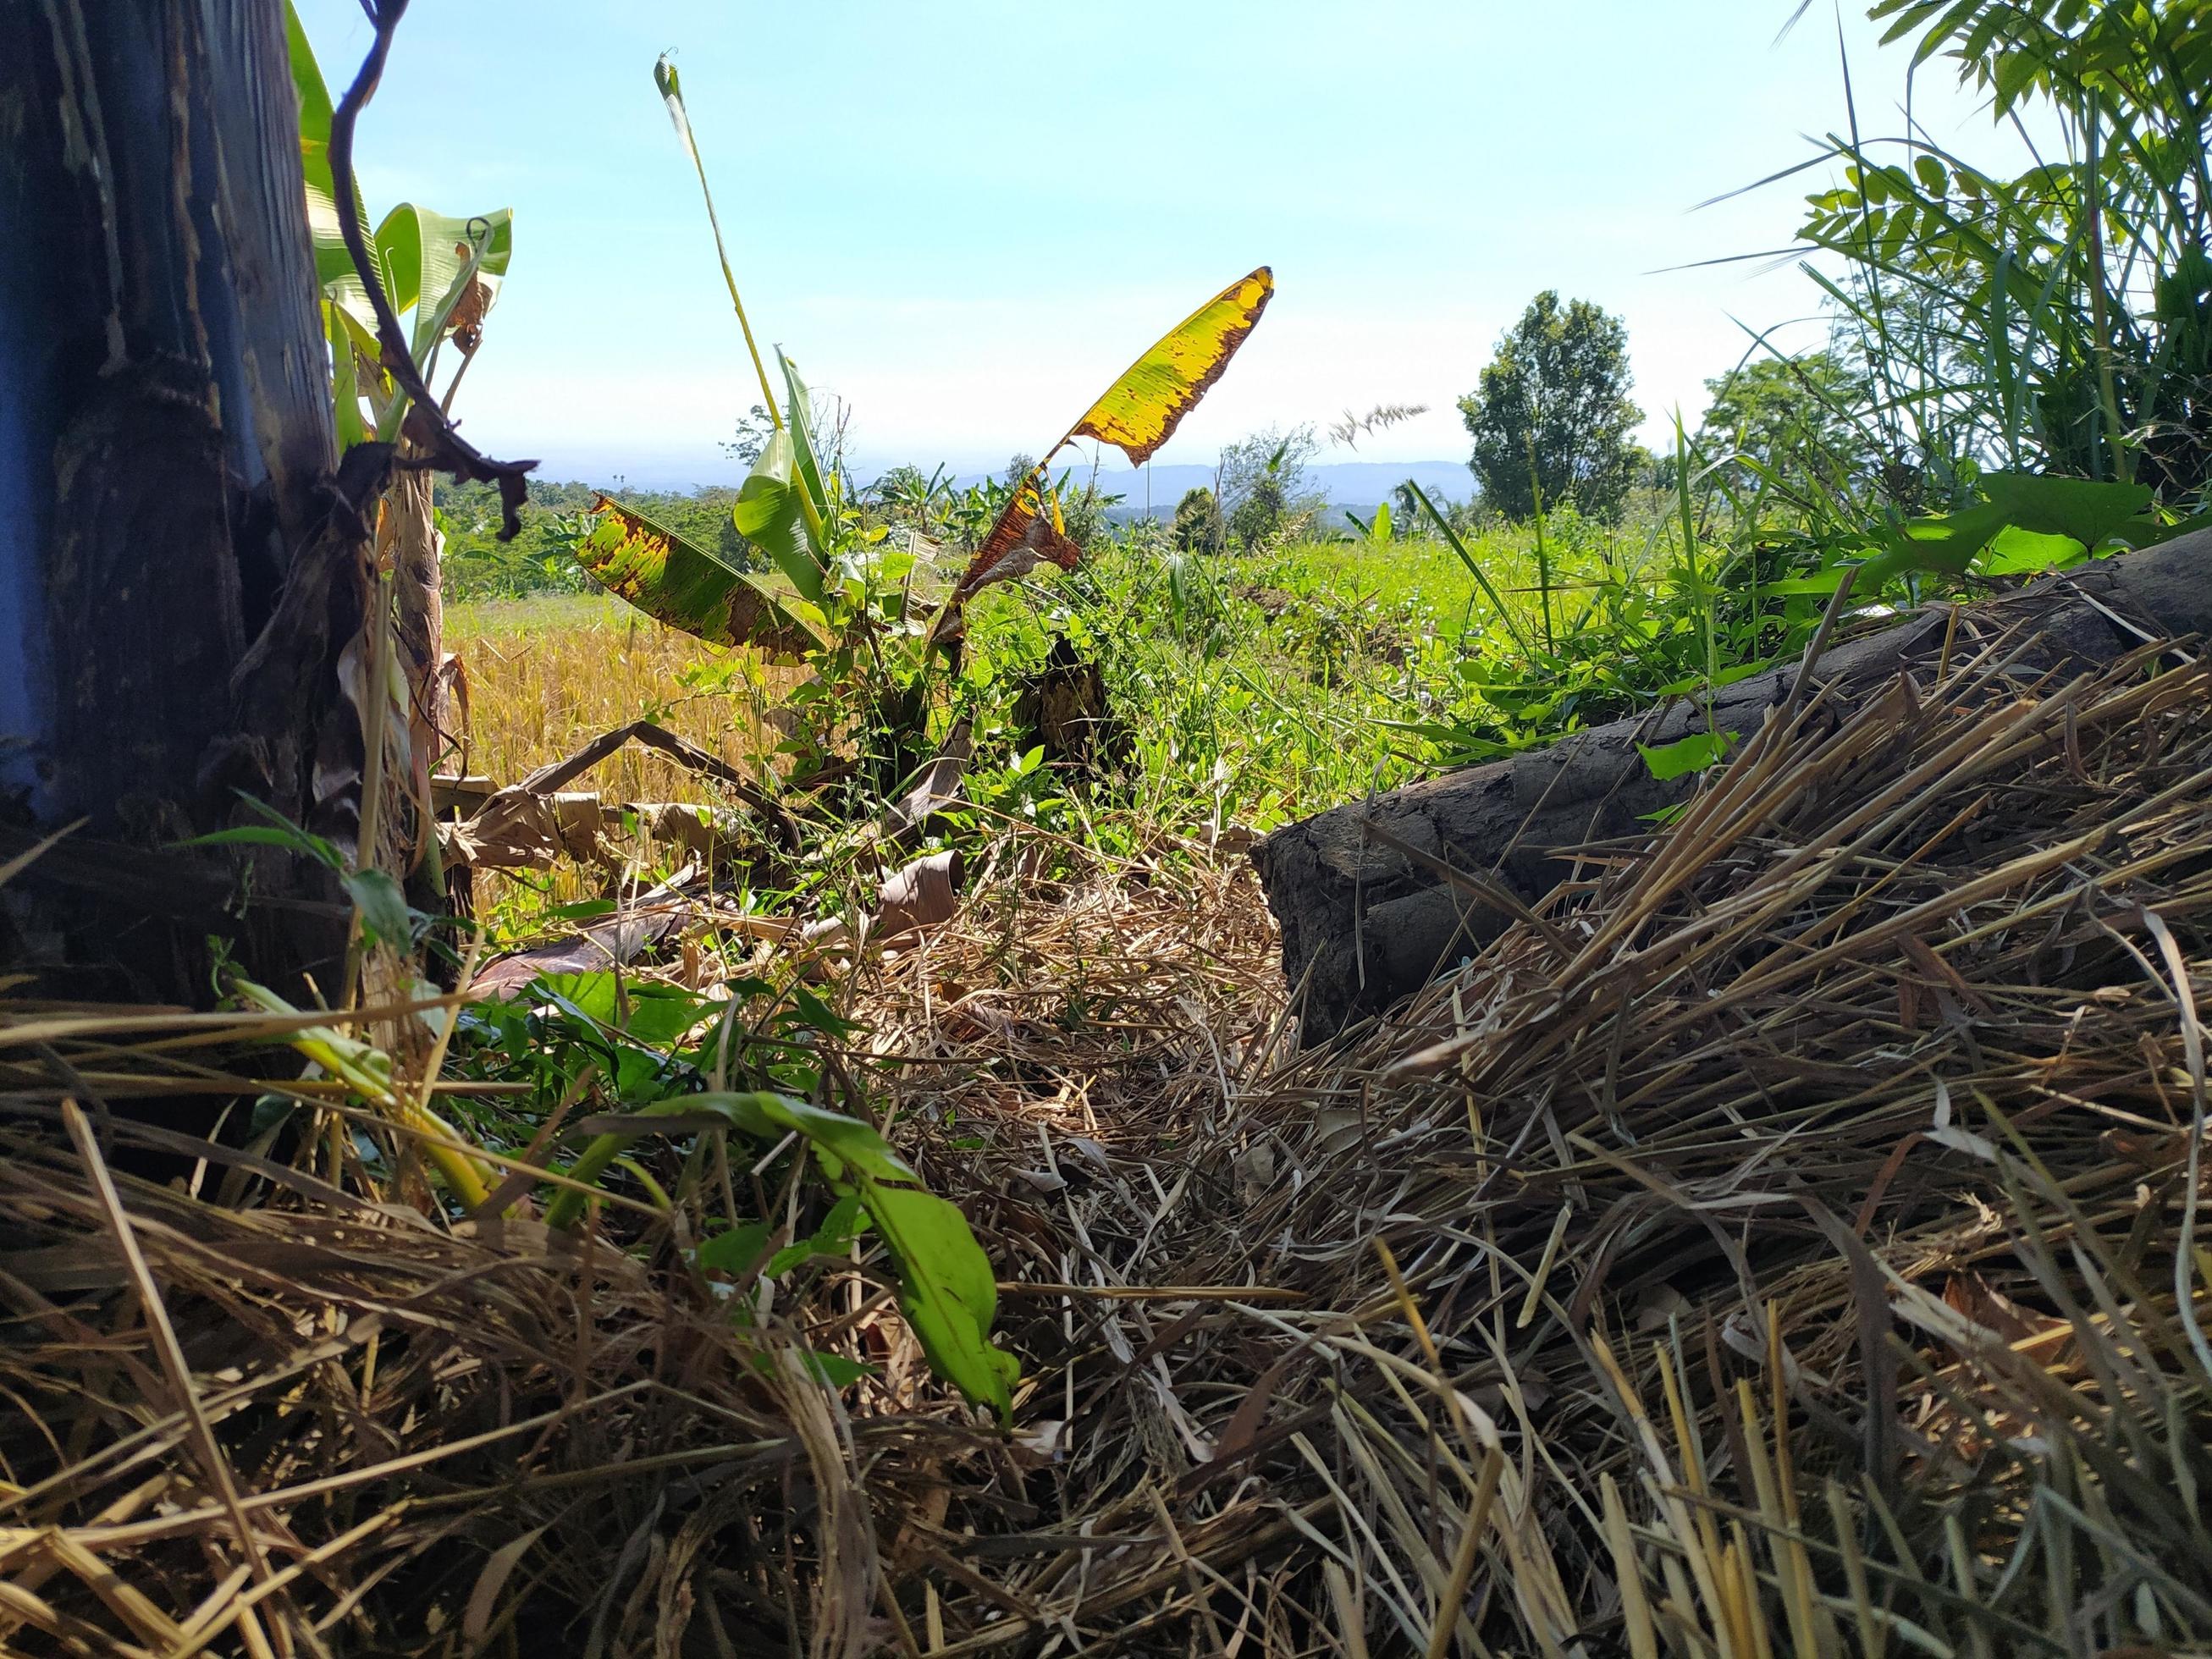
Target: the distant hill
pixel 1355 484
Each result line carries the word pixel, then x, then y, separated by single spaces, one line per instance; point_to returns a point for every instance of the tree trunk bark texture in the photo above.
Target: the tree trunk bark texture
pixel 181 565
pixel 1366 921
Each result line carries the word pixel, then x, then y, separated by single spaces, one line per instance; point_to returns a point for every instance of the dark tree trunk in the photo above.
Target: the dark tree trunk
pixel 181 564
pixel 1366 921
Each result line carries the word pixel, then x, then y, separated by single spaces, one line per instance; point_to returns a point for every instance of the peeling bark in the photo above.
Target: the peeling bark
pixel 181 568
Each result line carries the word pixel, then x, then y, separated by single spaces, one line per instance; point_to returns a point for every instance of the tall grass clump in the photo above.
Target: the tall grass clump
pixel 2058 319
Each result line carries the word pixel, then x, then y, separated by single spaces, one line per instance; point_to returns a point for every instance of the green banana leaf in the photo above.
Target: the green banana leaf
pixel 428 258
pixel 333 265
pixel 770 513
pixel 679 583
pixel 806 466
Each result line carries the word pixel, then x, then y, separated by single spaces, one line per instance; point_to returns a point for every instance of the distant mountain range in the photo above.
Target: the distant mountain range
pixel 1355 484
pixel 1358 484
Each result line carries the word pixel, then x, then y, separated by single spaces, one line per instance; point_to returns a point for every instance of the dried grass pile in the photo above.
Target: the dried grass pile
pixel 1789 1244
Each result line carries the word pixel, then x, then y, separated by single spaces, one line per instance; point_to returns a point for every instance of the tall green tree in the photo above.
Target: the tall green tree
pixel 1552 414
pixel 1794 416
pixel 1267 492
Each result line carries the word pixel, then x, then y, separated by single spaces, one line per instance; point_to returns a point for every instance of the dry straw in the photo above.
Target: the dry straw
pixel 1791 1246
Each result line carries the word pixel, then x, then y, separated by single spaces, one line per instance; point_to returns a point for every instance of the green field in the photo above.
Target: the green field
pixel 1252 688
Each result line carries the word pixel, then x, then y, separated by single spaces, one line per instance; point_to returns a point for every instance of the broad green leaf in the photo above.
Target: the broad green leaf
pixel 1381 530
pixel 736 1250
pixel 677 582
pixel 421 251
pixel 806 466
pixel 1669 760
pixel 383 907
pixel 345 382
pixel 946 1290
pixel 770 515
pixel 1945 545
pixel 835 1370
pixel 2088 512
pixel 850 1144
pixel 650 1013
pixel 424 255
pixel 333 265
pixel 2083 511
pixel 425 260
pixel 1141 411
pixel 832 1239
pixel 2146 532
pixel 2016 552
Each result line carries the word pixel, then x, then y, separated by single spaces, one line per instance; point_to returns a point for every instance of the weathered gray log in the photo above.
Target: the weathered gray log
pixel 1365 921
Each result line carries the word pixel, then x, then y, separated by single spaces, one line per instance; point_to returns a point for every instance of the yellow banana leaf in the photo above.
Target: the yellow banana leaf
pixel 1141 411
pixel 1138 413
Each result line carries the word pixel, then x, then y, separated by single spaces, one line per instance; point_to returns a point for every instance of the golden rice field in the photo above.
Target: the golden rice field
pixel 548 675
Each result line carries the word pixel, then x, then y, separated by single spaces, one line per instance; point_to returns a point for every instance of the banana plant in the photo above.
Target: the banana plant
pixel 787 508
pixel 1378 531
pixel 445 271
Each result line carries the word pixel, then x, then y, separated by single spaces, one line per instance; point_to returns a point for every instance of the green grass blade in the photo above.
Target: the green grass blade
pixel 1451 536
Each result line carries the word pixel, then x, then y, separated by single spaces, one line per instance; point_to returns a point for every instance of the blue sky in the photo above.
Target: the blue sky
pixel 965 219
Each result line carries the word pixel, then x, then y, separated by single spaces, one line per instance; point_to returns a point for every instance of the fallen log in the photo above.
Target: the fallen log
pixel 1376 896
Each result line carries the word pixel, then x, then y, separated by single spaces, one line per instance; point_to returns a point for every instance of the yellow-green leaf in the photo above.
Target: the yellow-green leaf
pixel 1141 411
pixel 677 582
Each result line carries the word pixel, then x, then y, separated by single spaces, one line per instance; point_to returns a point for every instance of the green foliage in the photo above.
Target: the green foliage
pixel 655 1045
pixel 1198 527
pixel 1379 531
pixel 477 565
pixel 1084 511
pixel 946 1290
pixel 1258 518
pixel 1551 416
pixel 385 916
pixel 1685 755
pixel 906 498
pixel 2059 320
pixel 1265 494
pixel 2023 523
pixel 1795 416
pixel 444 271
